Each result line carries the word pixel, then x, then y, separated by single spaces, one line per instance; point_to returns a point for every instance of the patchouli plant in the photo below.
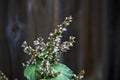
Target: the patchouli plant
pixel 44 62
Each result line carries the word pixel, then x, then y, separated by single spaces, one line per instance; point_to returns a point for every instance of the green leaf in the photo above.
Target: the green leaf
pixel 29 72
pixel 65 72
pixel 60 77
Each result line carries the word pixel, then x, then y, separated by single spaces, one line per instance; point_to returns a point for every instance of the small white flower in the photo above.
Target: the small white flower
pixel 36 42
pixel 26 49
pixel 29 53
pixel 59 25
pixel 27 62
pixel 33 62
pixel 70 17
pixel 48 37
pixel 24 44
pixel 57 44
pixel 61 28
pixel 74 75
pixel 81 77
pixel 37 47
pixel 51 34
pixel 55 49
pixel 70 20
pixel 64 29
pixel 67 24
pixel 58 40
pixel 23 64
pixel 47 63
pixel 66 18
pixel 71 44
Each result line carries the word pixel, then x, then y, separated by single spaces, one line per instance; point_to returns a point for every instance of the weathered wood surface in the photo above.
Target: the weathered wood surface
pixel 95 26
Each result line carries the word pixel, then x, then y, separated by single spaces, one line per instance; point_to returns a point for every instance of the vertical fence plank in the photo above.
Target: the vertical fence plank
pixel 17 30
pixel 93 37
pixel 118 42
pixel 5 64
pixel 42 17
pixel 14 33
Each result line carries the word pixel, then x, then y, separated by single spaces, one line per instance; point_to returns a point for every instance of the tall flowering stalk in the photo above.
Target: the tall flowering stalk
pixel 44 62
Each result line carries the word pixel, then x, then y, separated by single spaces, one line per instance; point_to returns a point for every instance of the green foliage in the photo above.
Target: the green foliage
pixel 29 72
pixel 65 72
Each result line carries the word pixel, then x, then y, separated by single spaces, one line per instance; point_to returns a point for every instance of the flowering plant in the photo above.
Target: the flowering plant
pixel 44 62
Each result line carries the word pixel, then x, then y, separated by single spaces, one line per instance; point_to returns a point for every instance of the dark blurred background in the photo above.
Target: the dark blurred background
pixel 96 26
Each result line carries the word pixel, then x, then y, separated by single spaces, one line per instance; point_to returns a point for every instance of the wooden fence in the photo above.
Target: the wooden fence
pixel 95 26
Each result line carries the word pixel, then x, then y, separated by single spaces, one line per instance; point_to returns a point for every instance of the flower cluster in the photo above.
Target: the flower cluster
pixel 79 76
pixel 51 50
pixel 2 76
pixel 45 56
